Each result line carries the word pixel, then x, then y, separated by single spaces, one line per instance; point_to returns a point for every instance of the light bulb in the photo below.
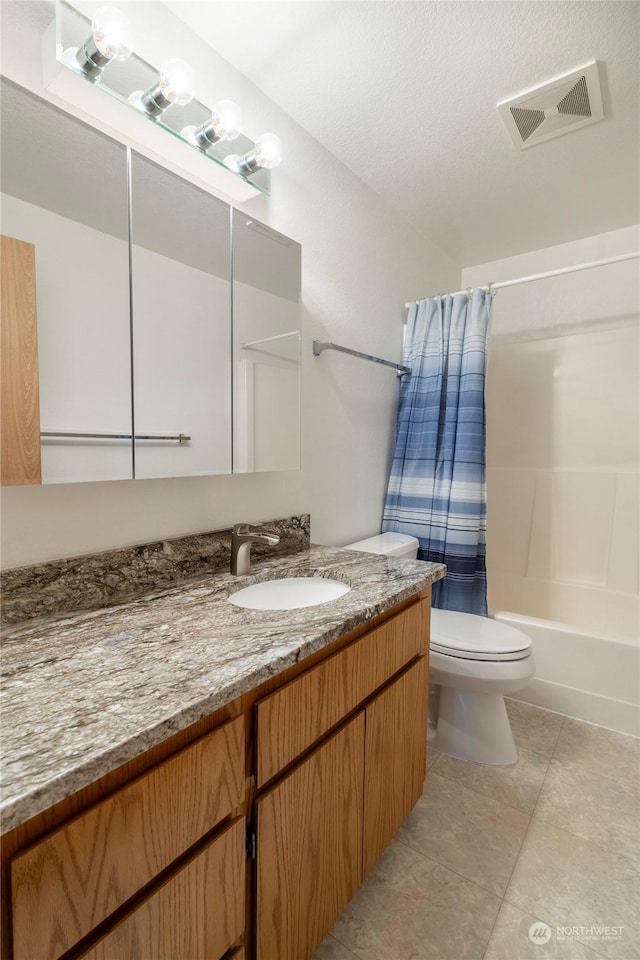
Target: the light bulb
pixel 268 151
pixel 266 154
pixel 227 119
pixel 111 40
pixel 225 123
pixel 112 33
pixel 176 84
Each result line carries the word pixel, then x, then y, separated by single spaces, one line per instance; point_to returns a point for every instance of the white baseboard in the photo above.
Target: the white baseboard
pixel 615 715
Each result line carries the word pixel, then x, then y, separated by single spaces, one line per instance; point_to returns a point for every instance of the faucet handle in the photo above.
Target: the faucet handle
pixel 250 530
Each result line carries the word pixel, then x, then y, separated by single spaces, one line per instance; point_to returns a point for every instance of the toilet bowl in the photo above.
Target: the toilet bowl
pixel 474 663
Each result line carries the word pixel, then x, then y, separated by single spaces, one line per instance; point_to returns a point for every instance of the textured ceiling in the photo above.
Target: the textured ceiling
pixel 405 93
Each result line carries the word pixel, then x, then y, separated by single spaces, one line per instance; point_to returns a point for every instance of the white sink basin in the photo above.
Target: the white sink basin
pixel 290 593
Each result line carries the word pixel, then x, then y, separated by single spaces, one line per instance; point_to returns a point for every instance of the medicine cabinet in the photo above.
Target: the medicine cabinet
pixel 266 348
pixel 120 328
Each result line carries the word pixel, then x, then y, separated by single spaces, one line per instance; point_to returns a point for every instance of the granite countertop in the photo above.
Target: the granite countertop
pixel 85 693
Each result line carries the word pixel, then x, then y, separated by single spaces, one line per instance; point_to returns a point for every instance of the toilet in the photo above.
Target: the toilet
pixel 474 663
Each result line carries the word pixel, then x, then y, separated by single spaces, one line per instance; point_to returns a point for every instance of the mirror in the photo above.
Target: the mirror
pixel 266 348
pixel 181 296
pixel 64 191
pixel 129 289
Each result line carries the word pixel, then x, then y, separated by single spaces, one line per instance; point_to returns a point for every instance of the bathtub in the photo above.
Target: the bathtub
pixel 584 675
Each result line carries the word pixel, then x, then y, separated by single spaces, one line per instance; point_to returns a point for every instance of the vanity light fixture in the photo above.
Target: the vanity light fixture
pixel 109 33
pixel 176 84
pixel 266 154
pixel 225 123
pixel 111 39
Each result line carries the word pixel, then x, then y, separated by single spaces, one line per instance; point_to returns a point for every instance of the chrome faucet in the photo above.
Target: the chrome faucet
pixel 243 536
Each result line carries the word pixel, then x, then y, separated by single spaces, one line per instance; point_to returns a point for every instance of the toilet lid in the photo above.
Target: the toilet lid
pixel 472 637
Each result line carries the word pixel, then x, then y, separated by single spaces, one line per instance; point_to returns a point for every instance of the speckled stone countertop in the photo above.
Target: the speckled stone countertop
pixel 84 694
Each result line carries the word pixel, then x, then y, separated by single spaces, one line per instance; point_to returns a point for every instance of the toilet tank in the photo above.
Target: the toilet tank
pixel 389 544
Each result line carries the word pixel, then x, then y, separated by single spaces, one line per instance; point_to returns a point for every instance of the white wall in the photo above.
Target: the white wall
pixel 563 435
pixel 360 263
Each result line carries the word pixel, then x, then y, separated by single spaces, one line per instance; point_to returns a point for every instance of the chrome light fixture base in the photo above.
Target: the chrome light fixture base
pixel 86 59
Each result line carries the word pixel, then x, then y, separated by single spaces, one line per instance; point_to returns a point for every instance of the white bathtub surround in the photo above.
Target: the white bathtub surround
pixel 563 464
pixel 563 428
pixel 589 676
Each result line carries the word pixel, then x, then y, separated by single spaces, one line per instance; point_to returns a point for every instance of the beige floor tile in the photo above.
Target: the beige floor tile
pixel 517 785
pixel 601 751
pixel 432 756
pixel 473 835
pixel 330 949
pixel 591 806
pixel 572 882
pixel 510 940
pixel 533 728
pixel 411 908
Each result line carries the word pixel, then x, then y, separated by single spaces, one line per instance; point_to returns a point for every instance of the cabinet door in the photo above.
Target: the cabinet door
pixel 309 847
pixel 395 757
pixel 196 915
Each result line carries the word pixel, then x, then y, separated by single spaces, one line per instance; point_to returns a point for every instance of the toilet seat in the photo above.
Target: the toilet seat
pixel 466 636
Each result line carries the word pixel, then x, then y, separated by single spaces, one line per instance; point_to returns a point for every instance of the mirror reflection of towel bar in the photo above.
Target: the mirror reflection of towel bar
pixel 181 438
pixel 279 336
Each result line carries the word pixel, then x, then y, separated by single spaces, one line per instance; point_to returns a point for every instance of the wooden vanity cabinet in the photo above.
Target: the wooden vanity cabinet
pixel 324 762
pixel 321 826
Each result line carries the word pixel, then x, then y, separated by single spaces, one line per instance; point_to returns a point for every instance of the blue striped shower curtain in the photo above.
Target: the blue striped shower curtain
pixel 437 488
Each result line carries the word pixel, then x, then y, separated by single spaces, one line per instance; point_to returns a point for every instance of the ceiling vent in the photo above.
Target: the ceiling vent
pixel 554 108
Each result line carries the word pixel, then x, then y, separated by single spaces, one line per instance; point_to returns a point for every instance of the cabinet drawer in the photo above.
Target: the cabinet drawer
pixel 294 717
pixel 196 915
pixel 68 883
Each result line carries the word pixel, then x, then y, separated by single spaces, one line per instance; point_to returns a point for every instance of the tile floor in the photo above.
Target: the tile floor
pixel 489 851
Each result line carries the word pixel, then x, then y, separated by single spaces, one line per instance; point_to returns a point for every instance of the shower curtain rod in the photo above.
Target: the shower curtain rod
pixel 492 287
